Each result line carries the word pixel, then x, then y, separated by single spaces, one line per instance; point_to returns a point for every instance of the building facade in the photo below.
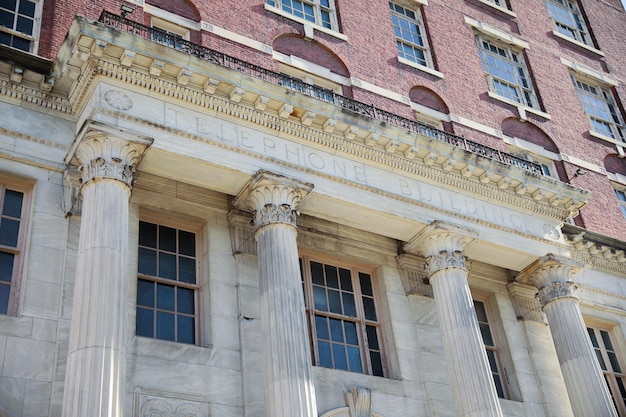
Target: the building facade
pixel 312 208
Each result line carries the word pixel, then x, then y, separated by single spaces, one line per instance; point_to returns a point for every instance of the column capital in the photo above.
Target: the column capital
pixel 442 245
pixel 552 276
pixel 272 198
pixel 102 151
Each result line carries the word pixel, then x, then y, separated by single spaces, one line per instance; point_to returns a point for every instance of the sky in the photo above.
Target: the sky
pixel 624 3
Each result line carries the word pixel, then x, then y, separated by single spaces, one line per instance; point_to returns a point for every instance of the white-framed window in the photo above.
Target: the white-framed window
pixel 547 165
pixel 19 23
pixel 611 364
pixel 168 282
pixel 499 3
pixel 491 347
pixel 601 108
pixel 569 20
pixel 620 193
pixel 320 12
pixel 171 32
pixel 411 39
pixel 506 71
pixel 345 325
pixel 14 205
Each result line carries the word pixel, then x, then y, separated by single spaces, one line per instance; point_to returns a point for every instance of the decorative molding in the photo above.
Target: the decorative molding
pixel 524 298
pixel 556 290
pixel 597 255
pixel 446 260
pixel 242 233
pixel 438 238
pixel 414 275
pixel 359 401
pixel 32 139
pixel 154 403
pixel 272 198
pixel 35 96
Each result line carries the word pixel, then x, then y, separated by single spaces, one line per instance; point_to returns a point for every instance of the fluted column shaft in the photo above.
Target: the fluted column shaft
pixel 94 382
pixel 289 389
pixel 471 381
pixel 583 376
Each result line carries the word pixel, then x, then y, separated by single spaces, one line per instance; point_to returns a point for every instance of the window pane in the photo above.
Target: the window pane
pixel 165 297
pixel 350 332
pixel 332 280
pixel 185 300
pixel 6 19
pixel 147 234
pixel 6 266
pixel 167 239
pixel 145 293
pixel 24 25
pixel 187 270
pixel 346 279
pixel 319 294
pixel 323 349
pixel 147 262
pixel 186 329
pixel 366 284
pixel 592 336
pixel 27 8
pixel 339 355
pixel 480 311
pixel 372 337
pixel 377 363
pixel 334 301
pixel 165 326
pixel 370 308
pixel 321 328
pixel 317 274
pixel 336 331
pixel 349 308
pixel 167 265
pixel 498 383
pixel 4 298
pixel 9 231
pixel 186 243
pixel 12 206
pixel 486 333
pixel 354 359
pixel 145 321
pixel 9 4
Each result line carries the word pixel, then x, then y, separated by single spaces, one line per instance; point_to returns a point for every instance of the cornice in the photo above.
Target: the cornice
pixel 14 91
pixel 599 256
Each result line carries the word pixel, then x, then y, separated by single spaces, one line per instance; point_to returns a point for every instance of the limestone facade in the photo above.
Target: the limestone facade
pixel 189 238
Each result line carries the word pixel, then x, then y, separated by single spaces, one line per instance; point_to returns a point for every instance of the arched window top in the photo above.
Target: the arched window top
pixel 311 51
pixel 184 8
pixel 615 164
pixel 428 98
pixel 529 132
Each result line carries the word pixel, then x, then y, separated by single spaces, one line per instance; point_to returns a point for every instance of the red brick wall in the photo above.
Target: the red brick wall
pixel 370 54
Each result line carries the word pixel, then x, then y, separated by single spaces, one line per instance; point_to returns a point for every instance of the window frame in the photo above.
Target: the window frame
pixel 19 250
pixel 32 38
pixel 305 259
pixel 572 8
pixel 610 375
pixel 620 194
pixel 504 387
pixel 317 12
pixel 514 56
pixel 185 225
pixel 418 22
pixel 171 32
pixel 616 126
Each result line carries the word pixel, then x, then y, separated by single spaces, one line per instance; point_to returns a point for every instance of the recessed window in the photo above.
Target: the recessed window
pixel 167 285
pixel 343 317
pixel 13 220
pixel 168 33
pixel 601 108
pixel 493 353
pixel 19 23
pixel 320 12
pixel 569 20
pixel 411 39
pixel 620 193
pixel 611 365
pixel 506 71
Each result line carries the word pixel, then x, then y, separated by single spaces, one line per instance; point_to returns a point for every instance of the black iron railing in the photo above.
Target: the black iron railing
pixel 319 93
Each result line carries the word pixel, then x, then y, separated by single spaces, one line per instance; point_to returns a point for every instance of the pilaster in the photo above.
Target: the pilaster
pixel 95 375
pixel 273 200
pixel 552 275
pixel 472 384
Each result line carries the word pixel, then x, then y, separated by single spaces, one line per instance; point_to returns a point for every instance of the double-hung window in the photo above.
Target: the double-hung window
pixel 19 23
pixel 13 222
pixel 167 285
pixel 569 20
pixel 601 108
pixel 491 348
pixel 611 366
pixel 506 71
pixel 410 32
pixel 343 318
pixel 320 12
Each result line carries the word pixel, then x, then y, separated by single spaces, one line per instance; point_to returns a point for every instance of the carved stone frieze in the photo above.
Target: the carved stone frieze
pixel 158 404
pixel 272 198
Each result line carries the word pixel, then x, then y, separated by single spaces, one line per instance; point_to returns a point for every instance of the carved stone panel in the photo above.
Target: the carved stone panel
pixel 154 403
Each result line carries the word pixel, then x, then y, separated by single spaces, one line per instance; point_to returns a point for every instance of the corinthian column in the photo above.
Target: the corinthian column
pixel 583 377
pixel 94 380
pixel 472 384
pixel 289 390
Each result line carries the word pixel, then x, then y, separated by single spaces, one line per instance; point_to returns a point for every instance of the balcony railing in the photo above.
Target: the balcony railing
pixel 319 93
